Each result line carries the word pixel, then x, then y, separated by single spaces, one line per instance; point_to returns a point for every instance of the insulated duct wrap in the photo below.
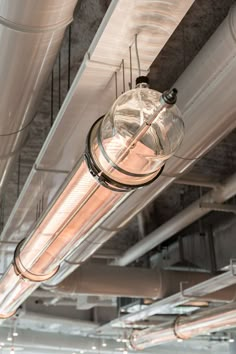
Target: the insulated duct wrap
pixel 31 33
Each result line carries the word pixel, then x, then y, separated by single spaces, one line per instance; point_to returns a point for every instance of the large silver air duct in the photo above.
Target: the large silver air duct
pixel 31 32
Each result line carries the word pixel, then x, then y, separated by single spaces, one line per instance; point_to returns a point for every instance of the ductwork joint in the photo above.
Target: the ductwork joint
pixel 30 29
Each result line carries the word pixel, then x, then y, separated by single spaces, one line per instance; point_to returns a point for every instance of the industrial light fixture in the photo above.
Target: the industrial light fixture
pixel 126 149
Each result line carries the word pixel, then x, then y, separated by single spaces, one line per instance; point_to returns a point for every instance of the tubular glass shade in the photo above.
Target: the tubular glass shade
pixel 145 132
pixel 13 291
pixel 130 146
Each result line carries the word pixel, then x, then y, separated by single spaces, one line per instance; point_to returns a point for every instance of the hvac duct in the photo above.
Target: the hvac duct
pixel 121 155
pixel 223 192
pixel 31 33
pixel 186 327
pixel 125 282
pixel 186 217
pixel 208 114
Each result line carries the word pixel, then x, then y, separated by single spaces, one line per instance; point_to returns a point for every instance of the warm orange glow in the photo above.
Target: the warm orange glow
pixel 80 207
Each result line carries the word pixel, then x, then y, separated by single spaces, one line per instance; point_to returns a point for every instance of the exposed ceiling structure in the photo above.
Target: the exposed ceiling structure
pixel 157 272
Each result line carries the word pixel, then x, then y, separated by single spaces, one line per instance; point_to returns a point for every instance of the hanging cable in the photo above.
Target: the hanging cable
pixel 137 54
pixel 59 80
pixel 69 57
pixel 184 52
pixel 19 130
pixel 2 212
pixel 130 69
pixel 52 94
pixel 116 87
pixel 18 175
pixel 123 74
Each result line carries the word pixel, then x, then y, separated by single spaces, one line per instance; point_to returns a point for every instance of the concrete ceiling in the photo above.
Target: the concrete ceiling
pixel 193 32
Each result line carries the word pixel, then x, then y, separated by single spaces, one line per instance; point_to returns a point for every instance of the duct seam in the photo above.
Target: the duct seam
pixel 30 29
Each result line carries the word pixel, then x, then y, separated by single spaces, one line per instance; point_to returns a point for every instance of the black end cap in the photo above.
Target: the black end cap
pixel 142 80
pixel 170 96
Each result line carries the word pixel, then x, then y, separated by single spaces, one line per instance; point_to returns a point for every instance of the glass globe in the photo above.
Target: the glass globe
pixel 139 133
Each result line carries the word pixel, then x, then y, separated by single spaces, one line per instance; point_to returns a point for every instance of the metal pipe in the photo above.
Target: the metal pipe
pixel 186 327
pixel 219 207
pixel 186 217
pixel 125 282
pixel 31 33
pixel 220 287
pixel 197 180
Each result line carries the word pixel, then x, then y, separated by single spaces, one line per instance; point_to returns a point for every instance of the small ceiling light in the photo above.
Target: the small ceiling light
pixel 179 340
pixel 104 344
pixel 2 344
pixel 15 334
pixel 94 347
pixel 231 340
pixel 118 340
pixel 9 338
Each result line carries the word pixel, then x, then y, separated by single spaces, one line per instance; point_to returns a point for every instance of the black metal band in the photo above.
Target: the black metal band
pixel 112 163
pixel 26 274
pixel 175 328
pixel 105 180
